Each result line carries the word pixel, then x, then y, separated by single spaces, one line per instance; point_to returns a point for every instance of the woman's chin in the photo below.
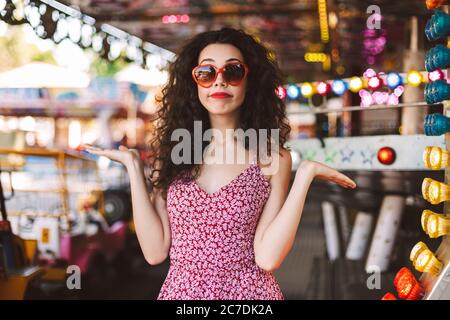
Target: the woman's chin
pixel 219 108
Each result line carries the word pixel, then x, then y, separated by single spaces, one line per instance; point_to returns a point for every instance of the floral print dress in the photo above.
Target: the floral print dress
pixel 212 254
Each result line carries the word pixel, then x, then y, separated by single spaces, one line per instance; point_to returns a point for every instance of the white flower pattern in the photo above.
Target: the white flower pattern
pixel 212 255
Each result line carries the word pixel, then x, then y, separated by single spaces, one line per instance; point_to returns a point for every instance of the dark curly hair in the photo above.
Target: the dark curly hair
pixel 180 105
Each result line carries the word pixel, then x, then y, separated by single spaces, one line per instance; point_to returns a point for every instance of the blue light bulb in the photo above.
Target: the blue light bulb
pixel 393 80
pixel 293 91
pixel 437 58
pixel 438 26
pixel 339 87
pixel 437 91
pixel 436 124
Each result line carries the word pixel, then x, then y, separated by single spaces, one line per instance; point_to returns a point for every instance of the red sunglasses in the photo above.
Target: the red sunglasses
pixel 233 73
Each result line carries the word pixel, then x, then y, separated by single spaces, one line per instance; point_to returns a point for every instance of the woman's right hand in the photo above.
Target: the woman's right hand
pixel 123 155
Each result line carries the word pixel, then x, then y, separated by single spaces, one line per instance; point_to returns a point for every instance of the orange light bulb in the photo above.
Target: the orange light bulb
pixel 433 4
pixel 407 285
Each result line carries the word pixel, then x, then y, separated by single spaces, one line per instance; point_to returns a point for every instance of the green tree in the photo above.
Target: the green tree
pixel 103 68
pixel 16 51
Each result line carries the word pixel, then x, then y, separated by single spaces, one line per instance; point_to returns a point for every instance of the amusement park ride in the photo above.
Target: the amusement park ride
pixel 55 220
pixel 69 227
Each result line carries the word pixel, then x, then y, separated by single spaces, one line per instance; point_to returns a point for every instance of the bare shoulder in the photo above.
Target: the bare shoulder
pixel 279 164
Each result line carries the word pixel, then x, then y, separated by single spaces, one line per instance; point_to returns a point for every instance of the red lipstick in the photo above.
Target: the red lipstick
pixel 221 95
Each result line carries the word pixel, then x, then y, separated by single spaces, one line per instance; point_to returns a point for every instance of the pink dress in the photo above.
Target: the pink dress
pixel 212 254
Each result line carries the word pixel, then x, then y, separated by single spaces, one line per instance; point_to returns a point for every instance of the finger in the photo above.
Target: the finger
pixel 351 185
pixel 98 151
pixel 347 182
pixel 345 185
pixel 89 147
pixel 135 151
pixel 347 179
pixel 95 151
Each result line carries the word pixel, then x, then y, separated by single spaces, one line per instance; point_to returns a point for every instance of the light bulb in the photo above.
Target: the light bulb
pixel 436 124
pixel 435 158
pixel 307 90
pixel 414 78
pixel 434 191
pixel 408 287
pixel 424 260
pixel 438 26
pixel 435 225
pixel 393 80
pixel 389 296
pixel 339 87
pixel 433 4
pixel 437 58
pixel 355 84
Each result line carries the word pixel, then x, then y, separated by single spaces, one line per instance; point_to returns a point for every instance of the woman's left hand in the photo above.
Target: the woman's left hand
pixel 324 172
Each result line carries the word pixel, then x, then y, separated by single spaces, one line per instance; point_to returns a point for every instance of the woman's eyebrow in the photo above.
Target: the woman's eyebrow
pixel 212 60
pixel 207 59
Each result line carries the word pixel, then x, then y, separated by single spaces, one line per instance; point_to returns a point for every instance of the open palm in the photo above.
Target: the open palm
pixel 324 172
pixel 123 155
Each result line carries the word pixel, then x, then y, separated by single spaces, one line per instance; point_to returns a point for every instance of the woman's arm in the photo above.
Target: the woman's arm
pixel 281 216
pixel 149 214
pixel 150 217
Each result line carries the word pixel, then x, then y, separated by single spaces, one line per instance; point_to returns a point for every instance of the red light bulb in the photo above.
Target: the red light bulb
pixel 389 296
pixel 323 88
pixel 386 155
pixel 375 83
pixel 435 75
pixel 281 92
pixel 407 285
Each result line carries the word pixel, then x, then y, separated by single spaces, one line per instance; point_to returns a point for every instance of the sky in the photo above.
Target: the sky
pixel 66 53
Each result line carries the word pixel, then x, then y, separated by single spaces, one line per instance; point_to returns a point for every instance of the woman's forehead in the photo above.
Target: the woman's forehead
pixel 219 53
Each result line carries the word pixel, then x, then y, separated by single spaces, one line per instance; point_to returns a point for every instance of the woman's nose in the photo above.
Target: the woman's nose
pixel 219 80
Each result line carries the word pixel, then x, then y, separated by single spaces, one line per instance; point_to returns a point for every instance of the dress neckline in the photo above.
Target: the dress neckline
pixel 254 164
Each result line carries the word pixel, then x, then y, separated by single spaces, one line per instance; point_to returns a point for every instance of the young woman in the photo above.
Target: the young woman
pixel 225 226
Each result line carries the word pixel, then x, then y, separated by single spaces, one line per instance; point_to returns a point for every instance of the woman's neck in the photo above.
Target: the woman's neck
pixel 223 127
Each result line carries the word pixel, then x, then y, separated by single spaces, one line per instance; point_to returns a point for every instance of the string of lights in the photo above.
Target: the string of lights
pixel 55 21
pixel 359 108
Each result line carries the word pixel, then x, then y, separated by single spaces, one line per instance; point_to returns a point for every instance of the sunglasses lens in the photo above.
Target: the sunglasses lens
pixel 234 73
pixel 205 74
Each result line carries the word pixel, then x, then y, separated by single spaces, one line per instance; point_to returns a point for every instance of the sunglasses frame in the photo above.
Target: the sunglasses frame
pixel 220 70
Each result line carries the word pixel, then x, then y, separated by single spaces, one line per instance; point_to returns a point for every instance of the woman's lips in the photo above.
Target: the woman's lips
pixel 221 95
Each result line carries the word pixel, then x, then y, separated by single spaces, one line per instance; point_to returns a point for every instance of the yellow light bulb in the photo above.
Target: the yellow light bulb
pixel 355 84
pixel 424 260
pixel 424 219
pixel 434 224
pixel 414 78
pixel 435 158
pixel 434 191
pixel 416 250
pixel 307 90
pixel 425 185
